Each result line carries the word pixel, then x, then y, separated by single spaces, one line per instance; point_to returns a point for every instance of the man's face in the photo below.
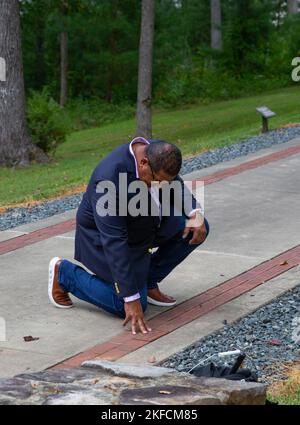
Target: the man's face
pixel 147 175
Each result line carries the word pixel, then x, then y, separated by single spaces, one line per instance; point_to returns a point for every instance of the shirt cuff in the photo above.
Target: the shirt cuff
pixel 195 210
pixel 132 297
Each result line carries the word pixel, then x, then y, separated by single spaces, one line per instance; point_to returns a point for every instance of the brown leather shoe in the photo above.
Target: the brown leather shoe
pixel 57 295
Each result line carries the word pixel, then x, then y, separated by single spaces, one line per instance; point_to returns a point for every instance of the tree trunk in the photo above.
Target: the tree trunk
pixel 216 22
pixel 293 7
pixel 63 68
pixel 15 144
pixel 144 97
pixel 112 50
pixel 64 56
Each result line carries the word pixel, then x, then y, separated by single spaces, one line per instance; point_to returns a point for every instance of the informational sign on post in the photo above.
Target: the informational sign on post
pixel 266 113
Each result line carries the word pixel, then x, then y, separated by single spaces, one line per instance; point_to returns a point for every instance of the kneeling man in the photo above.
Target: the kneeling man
pixel 117 246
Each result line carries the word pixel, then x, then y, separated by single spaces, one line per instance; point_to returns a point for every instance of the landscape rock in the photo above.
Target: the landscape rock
pixel 236 392
pixel 126 370
pixel 59 375
pixel 79 398
pixel 15 387
pixel 108 383
pixel 168 394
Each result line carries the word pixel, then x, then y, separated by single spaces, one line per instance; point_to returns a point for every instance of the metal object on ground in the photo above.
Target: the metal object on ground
pixel 238 363
pixel 220 355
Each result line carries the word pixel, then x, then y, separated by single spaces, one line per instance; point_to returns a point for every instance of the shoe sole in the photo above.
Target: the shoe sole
pixel 51 274
pixel 160 303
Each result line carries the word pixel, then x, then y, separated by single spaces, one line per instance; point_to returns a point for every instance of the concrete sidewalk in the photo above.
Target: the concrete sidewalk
pixel 253 217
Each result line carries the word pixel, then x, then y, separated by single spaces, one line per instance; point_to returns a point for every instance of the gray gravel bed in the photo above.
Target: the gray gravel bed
pixel 270 338
pixel 17 216
pixel 243 148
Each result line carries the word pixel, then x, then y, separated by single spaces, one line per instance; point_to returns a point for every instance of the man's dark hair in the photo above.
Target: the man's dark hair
pixel 164 156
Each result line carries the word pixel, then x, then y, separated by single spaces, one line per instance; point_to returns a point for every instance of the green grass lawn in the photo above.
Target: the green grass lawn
pixel 287 391
pixel 290 400
pixel 194 129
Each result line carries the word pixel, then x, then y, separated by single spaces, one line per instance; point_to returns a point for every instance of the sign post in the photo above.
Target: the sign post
pixel 266 113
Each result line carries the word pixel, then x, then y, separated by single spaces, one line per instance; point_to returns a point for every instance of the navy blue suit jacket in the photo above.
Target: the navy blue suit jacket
pixel 115 248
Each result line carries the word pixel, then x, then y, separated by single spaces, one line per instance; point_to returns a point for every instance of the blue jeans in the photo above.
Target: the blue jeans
pixel 88 287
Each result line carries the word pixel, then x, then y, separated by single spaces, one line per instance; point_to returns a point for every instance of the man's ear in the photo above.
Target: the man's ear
pixel 144 161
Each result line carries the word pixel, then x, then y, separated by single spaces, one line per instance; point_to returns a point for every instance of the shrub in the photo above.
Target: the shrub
pixel 94 112
pixel 48 123
pixel 205 82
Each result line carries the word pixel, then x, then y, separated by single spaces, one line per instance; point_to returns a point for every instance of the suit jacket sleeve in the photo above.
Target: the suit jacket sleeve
pixel 188 200
pixel 114 239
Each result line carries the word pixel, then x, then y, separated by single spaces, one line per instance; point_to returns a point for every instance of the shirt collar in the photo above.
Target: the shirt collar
pixel 133 141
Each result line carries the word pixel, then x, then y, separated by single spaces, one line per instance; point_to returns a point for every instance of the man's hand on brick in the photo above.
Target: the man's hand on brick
pixel 135 314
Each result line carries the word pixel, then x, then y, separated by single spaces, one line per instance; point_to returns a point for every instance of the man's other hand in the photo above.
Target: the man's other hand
pixel 135 314
pixel 197 227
